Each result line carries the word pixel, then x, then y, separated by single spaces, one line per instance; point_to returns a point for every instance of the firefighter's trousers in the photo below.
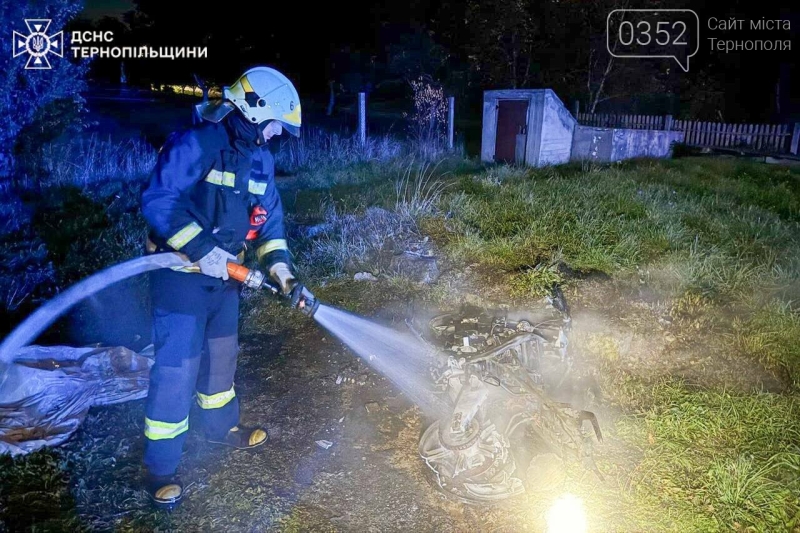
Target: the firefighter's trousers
pixel 195 335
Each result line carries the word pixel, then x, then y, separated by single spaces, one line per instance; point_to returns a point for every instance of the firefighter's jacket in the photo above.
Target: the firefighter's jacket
pixel 214 185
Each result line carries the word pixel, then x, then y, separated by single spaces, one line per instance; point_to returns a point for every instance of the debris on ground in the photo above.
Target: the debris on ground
pixel 499 380
pixel 324 444
pixel 47 391
pixel 416 267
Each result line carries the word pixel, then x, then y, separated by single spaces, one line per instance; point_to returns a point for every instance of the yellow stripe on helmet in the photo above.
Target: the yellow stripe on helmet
pixel 246 85
pixel 293 118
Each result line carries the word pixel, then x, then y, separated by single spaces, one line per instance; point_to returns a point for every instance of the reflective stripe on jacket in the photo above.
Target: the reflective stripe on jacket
pixel 207 184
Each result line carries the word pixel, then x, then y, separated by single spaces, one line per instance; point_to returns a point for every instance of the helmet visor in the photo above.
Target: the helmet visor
pixel 294 130
pixel 214 110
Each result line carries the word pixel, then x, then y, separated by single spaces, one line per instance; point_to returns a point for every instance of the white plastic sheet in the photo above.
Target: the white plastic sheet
pixel 49 389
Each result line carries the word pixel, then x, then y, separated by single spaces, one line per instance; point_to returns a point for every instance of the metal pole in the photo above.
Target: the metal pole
pixel 451 112
pixel 362 118
pixel 795 139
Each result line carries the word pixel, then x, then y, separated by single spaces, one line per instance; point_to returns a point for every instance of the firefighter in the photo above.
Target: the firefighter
pixel 211 197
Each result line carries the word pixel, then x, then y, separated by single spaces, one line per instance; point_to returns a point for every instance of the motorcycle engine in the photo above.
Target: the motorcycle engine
pixel 504 435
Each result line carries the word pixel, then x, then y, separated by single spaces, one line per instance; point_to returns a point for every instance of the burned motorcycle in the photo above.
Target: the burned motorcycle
pixel 505 435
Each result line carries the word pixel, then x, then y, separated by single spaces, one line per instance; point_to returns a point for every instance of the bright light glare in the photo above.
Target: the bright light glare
pixel 567 515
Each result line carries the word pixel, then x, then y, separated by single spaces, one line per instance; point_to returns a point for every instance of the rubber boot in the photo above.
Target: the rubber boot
pixel 166 492
pixel 243 437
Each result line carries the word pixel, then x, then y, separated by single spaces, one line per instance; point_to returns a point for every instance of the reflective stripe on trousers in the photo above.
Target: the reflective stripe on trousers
pixel 195 326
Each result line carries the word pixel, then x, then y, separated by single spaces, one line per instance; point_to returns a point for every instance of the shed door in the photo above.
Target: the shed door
pixel 512 131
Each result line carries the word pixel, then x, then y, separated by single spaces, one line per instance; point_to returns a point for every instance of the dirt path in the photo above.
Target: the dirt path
pixel 307 387
pixel 370 479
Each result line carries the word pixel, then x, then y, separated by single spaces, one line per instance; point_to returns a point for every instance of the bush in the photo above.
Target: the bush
pixel 30 99
pixel 429 119
pixel 319 150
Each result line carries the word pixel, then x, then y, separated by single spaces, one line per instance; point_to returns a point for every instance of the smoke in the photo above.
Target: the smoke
pixel 400 357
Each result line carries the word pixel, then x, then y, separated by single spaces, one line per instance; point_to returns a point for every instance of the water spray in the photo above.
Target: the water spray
pixel 400 357
pixel 387 351
pixel 397 356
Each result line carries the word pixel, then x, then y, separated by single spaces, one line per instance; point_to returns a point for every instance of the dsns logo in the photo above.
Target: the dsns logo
pixel 38 43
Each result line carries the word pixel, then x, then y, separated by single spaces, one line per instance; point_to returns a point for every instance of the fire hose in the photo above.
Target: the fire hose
pixel 299 296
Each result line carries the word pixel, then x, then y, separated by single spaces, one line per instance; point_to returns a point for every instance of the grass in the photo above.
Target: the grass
pixel 348 243
pixel 730 459
pixel 74 214
pixel 419 191
pixel 716 238
pixel 534 218
pixel 622 218
pixel 356 238
pixel 771 335
pixel 716 241
pixel 35 494
pixel 318 150
pixel 86 160
pixel 681 458
pixel 322 152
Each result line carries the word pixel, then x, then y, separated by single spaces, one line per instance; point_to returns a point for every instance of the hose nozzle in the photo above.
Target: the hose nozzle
pixel 302 299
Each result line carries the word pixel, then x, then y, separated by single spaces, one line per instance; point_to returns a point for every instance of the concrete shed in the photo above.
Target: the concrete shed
pixel 526 126
pixel 533 127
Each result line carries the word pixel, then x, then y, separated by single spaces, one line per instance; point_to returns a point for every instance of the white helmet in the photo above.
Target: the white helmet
pixel 263 94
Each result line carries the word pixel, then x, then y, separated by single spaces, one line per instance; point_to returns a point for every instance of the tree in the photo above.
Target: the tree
pixel 416 54
pixel 46 100
pixel 558 44
pixel 608 77
pixel 503 41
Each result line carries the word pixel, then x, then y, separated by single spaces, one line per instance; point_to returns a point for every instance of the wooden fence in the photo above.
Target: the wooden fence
pixel 764 138
pixel 772 138
pixel 638 122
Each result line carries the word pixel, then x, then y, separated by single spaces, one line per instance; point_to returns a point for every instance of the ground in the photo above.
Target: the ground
pixel 371 478
pixel 686 355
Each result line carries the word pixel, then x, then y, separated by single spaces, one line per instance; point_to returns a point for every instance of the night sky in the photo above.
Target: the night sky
pixel 353 43
pixel 276 34
pixel 96 9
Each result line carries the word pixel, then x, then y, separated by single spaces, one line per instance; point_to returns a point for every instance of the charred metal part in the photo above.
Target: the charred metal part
pixel 504 435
